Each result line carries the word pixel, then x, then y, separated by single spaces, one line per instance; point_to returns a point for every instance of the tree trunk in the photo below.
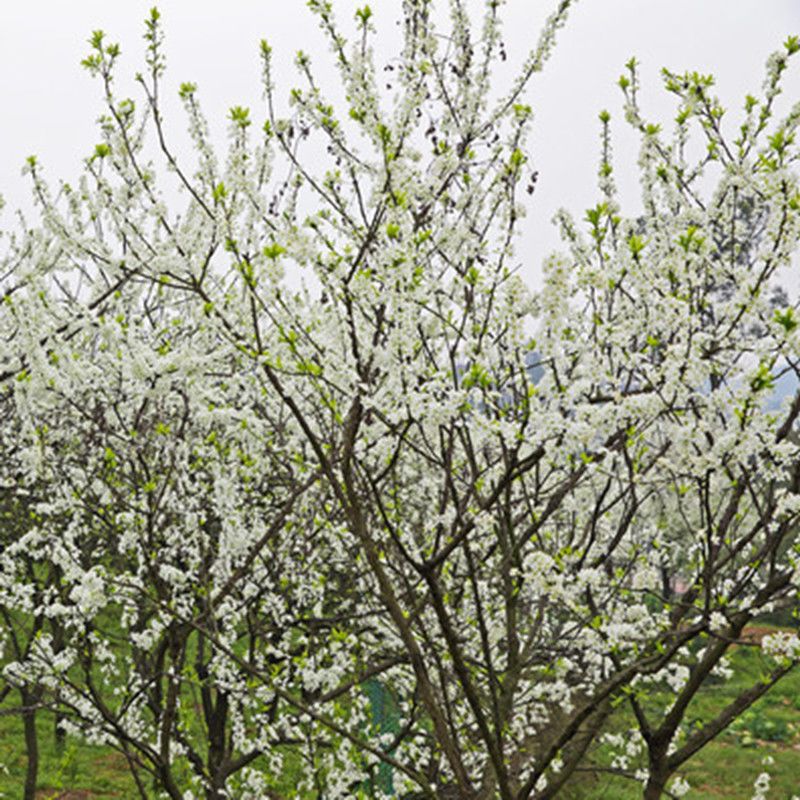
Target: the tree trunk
pixel 29 700
pixel 59 735
pixel 655 785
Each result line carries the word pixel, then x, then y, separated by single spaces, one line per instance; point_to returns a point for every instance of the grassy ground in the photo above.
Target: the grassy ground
pixel 78 772
pixel 724 769
pixel 728 766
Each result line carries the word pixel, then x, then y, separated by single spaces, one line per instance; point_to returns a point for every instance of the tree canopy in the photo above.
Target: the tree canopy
pixel 306 493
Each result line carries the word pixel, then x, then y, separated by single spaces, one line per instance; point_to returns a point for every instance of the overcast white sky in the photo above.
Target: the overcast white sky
pixel 49 103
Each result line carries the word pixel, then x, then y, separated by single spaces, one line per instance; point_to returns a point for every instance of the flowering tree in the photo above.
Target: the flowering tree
pixel 301 519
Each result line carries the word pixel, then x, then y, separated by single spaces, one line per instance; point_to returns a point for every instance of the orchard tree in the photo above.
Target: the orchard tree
pixel 317 531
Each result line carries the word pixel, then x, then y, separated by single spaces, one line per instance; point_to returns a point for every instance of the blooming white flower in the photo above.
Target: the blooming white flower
pixel 679 786
pixel 781 644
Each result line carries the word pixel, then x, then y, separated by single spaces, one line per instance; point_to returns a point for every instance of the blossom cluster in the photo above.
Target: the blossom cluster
pixel 303 473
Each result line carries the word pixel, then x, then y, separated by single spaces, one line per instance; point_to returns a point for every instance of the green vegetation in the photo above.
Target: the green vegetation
pixel 724 769
pixel 728 766
pixel 74 768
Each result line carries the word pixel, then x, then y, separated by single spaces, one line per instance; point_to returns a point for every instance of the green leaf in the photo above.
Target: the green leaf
pixel 187 90
pixel 310 368
pixel 240 116
pixel 219 192
pixel 517 159
pixel 763 379
pixel 786 319
pixel 780 140
pixel 690 240
pixel 594 215
pixel 274 250
pixel 636 244
pixel 522 111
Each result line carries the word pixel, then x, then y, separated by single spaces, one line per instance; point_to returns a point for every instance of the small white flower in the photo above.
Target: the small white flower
pixel 781 645
pixel 679 787
pixel 761 786
pixel 717 622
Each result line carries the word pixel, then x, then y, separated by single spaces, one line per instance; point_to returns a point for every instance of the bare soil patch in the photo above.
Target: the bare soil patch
pixel 755 633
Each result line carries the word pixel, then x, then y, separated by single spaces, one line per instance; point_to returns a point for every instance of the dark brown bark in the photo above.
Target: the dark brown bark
pixel 29 702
